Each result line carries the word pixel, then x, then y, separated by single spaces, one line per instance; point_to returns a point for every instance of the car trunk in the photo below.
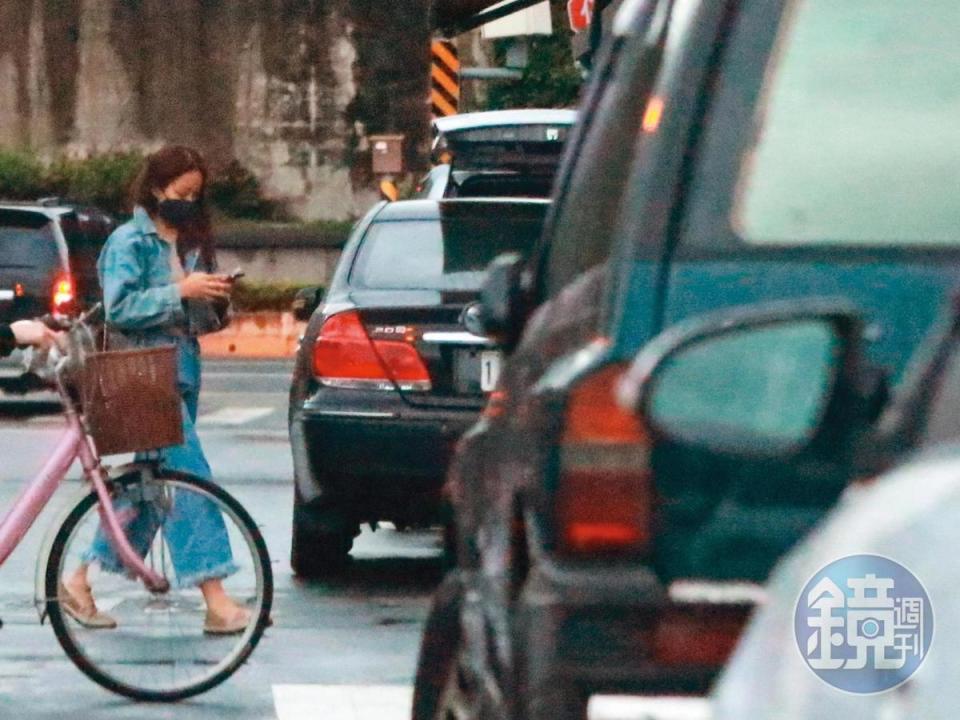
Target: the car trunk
pixel 413 280
pixel 454 358
pixel 506 161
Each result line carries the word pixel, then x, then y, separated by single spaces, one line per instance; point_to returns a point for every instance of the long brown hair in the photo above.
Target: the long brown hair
pixel 159 170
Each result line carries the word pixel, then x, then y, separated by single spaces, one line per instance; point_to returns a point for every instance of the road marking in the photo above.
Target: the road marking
pixel 342 702
pixel 632 707
pixel 393 702
pixel 234 415
pixel 244 374
pixel 47 420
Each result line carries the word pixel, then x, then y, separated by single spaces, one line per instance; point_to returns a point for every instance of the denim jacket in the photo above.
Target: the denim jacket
pixel 140 298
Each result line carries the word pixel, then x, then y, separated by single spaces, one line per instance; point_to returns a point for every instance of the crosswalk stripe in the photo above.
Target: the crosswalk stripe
pixel 633 707
pixel 342 702
pixel 46 420
pixel 234 415
pixel 393 702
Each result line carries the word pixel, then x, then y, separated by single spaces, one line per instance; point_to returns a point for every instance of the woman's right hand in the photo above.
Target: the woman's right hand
pixel 204 286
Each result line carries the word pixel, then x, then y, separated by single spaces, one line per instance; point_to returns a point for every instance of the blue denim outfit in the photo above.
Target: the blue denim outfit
pixel 143 303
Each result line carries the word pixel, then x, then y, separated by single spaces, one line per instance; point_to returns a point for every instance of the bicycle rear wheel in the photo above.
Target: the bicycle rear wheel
pixel 159 651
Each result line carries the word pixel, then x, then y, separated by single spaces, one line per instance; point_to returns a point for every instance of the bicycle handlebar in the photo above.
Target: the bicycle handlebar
pixel 62 323
pixel 78 338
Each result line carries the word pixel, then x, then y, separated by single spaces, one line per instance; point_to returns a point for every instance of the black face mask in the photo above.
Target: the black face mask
pixel 179 213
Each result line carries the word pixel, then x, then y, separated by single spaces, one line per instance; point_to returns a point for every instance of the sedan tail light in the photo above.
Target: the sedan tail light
pixel 344 356
pixel 64 295
pixel 604 493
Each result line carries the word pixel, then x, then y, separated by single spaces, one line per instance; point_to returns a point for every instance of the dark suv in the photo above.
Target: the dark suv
pixel 391 371
pixel 729 152
pixel 48 258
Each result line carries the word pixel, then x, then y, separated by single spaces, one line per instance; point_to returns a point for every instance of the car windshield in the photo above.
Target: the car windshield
pixel 451 254
pixel 26 241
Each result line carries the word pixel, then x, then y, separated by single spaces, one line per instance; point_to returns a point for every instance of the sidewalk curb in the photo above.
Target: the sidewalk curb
pixel 260 335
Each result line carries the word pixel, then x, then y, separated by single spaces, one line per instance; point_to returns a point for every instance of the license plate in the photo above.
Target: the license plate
pixel 490 364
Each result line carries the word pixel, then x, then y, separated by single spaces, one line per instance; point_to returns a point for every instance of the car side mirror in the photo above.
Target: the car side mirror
pixel 502 306
pixel 762 382
pixel 305 302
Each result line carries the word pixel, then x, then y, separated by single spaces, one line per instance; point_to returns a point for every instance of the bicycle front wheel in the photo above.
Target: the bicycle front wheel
pixel 162 648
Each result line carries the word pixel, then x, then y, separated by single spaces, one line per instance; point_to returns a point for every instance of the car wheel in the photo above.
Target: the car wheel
pixel 440 691
pixel 315 550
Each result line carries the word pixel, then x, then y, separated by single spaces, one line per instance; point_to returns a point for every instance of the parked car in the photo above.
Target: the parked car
pixel 48 255
pixel 908 515
pixel 501 153
pixel 389 371
pixel 713 167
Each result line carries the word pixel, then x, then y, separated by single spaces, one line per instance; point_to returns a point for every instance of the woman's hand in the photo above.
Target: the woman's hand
pixel 204 286
pixel 33 332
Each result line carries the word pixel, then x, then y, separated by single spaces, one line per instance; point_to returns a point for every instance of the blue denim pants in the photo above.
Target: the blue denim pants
pixel 194 529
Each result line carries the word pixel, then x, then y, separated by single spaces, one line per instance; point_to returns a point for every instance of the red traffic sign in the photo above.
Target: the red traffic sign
pixel 580 13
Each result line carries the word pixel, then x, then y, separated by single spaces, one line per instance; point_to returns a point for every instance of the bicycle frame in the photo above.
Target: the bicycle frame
pixel 74 444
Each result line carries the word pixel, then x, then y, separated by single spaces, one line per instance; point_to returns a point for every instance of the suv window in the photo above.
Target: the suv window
pixel 85 233
pixel 832 126
pixel 434 255
pixel 27 241
pixel 599 160
pixel 857 139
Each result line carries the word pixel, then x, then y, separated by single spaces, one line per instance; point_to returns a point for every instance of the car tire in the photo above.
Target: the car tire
pixel 316 552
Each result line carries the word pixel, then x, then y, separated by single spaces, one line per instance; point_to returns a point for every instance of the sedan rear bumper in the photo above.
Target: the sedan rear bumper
pixel 375 457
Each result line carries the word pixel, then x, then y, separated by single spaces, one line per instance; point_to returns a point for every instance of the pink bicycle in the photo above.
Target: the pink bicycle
pixel 158 650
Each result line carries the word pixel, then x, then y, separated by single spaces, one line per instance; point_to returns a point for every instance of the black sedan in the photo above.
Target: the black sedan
pixel 388 375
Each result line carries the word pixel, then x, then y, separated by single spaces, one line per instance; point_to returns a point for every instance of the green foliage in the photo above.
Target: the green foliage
pixel 21 175
pixel 100 180
pixel 550 80
pixel 255 234
pixel 105 181
pixel 236 193
pixel 256 297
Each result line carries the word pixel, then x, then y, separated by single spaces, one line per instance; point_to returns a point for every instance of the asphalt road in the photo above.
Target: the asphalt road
pixel 342 649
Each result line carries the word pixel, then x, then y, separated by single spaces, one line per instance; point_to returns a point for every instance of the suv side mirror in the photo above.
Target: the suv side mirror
pixel 305 302
pixel 761 382
pixel 502 306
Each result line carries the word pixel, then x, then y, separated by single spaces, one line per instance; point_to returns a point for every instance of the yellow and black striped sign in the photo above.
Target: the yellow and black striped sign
pixel 444 78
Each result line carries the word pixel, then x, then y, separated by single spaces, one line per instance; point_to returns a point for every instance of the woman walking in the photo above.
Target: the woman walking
pixel 160 287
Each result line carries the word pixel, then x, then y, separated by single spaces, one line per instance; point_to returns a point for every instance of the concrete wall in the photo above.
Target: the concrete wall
pixel 302 265
pixel 291 88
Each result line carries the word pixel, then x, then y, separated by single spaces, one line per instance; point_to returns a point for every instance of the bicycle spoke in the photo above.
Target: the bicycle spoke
pixel 159 649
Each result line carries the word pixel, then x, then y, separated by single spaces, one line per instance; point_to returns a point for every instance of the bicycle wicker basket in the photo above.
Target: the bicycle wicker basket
pixel 130 399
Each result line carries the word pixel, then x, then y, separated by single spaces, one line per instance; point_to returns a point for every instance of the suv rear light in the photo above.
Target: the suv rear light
pixel 344 356
pixel 64 295
pixel 699 635
pixel 604 495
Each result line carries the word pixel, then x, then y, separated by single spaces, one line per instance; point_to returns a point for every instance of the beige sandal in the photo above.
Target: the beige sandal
pixel 84 610
pixel 233 625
